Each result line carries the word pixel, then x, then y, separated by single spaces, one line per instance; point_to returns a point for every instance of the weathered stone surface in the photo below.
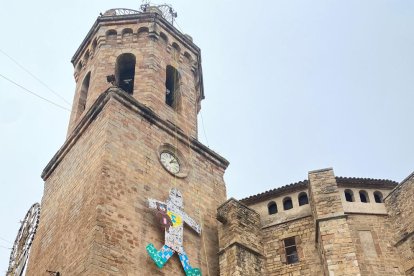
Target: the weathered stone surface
pixel 95 220
pixel 241 248
pixel 400 206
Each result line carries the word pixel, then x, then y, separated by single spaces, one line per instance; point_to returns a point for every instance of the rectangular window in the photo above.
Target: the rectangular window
pixel 291 250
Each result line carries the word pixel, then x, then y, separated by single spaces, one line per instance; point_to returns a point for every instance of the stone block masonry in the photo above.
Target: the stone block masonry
pixel 400 203
pixel 95 219
pixel 241 249
pixel 333 235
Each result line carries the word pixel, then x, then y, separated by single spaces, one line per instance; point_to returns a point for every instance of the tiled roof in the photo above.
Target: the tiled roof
pixel 277 191
pixel 365 182
pixel 341 181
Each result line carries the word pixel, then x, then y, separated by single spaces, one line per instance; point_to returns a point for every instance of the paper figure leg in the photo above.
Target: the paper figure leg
pixel 189 271
pixel 160 257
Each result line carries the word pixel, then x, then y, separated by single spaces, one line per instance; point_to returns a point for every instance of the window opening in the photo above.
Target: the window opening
pixel 287 203
pixel 363 196
pixel 303 199
pixel 349 196
pixel 125 72
pixel 111 35
pixel 272 208
pixel 291 251
pixel 127 34
pixel 378 197
pixel 83 95
pixel 172 86
pixel 94 44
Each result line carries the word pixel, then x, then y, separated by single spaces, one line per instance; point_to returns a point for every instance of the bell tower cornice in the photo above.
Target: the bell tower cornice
pixel 151 17
pixel 142 53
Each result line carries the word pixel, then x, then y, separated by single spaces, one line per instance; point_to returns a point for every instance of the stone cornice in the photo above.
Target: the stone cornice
pixel 275 192
pixel 349 182
pixel 143 111
pixel 365 182
pixel 142 17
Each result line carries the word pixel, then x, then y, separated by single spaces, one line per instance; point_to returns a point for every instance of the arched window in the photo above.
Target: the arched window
pixel 176 51
pixel 378 197
pixel 79 67
pixel 111 35
pixel 303 199
pixel 125 72
pixel 86 57
pixel 172 87
pixel 83 94
pixel 94 44
pixel 164 37
pixel 272 208
pixel 142 31
pixel 127 34
pixel 363 196
pixel 349 195
pixel 287 203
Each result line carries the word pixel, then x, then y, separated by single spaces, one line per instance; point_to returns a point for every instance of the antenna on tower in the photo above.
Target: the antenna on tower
pixel 166 10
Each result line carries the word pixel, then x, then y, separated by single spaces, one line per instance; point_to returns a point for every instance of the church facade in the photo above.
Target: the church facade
pixel 132 174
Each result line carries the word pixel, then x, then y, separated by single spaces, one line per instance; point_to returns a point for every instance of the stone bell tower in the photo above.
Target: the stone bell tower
pixel 132 136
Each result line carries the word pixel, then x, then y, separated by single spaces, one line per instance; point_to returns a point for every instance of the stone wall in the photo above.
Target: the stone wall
pixel 282 215
pixel 400 205
pixel 333 234
pixel 304 231
pixel 95 219
pixel 67 228
pixel 372 236
pixel 241 248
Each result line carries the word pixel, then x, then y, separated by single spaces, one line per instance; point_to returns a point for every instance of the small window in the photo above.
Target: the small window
pixel 188 57
pixel 349 196
pixel 83 94
pixel 303 199
pixel 125 72
pixel 79 67
pixel 378 197
pixel 287 203
pixel 111 35
pixel 176 51
pixel 172 87
pixel 142 31
pixel 94 44
pixel 272 208
pixel 86 58
pixel 164 37
pixel 363 196
pixel 291 251
pixel 127 34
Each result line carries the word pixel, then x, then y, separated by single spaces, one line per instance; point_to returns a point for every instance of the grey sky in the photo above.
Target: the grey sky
pixel 290 86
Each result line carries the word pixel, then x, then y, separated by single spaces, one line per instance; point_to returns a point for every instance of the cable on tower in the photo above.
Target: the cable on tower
pixel 33 93
pixel 33 76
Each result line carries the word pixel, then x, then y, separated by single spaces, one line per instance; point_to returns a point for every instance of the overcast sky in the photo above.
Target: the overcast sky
pixel 291 86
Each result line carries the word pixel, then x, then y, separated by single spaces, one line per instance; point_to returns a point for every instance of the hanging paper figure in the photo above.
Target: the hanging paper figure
pixel 172 218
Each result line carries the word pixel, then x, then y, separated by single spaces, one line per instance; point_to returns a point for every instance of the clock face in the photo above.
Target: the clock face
pixel 170 162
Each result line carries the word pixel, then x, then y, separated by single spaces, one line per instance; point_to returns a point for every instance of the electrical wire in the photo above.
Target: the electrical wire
pixel 5 240
pixel 175 21
pixel 201 113
pixel 33 76
pixel 33 93
pixel 1 246
pixel 204 130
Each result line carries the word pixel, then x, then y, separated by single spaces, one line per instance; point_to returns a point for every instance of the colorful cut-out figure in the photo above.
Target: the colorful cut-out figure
pixel 173 231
